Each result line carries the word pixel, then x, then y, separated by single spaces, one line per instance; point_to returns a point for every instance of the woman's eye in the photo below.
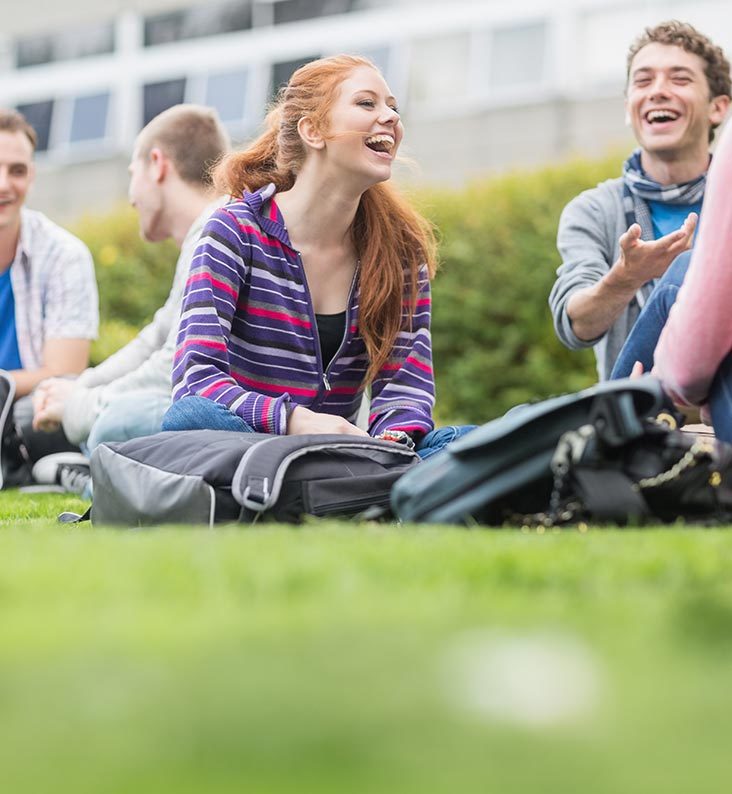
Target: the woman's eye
pixel 367 103
pixel 394 108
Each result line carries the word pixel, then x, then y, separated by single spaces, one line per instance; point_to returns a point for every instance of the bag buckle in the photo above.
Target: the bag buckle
pixel 256 494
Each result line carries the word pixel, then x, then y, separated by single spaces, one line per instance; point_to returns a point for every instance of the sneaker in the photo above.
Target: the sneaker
pixel 75 479
pixel 46 469
pixel 67 472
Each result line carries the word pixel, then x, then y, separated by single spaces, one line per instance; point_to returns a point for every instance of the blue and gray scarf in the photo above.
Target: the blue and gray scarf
pixel 639 189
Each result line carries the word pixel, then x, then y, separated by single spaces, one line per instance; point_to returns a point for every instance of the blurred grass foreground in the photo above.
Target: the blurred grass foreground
pixel 365 659
pixel 335 658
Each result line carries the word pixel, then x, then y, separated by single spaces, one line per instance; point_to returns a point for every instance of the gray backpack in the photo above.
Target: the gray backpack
pixel 209 476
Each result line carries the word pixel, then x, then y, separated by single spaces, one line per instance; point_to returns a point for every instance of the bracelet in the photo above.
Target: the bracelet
pixel 398 437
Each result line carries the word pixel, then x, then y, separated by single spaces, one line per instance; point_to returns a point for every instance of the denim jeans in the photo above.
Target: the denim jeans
pixel 641 344
pixel 720 401
pixel 643 337
pixel 139 413
pixel 200 413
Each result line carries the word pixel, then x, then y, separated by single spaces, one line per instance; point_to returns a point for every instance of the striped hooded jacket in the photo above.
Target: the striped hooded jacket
pixel 248 338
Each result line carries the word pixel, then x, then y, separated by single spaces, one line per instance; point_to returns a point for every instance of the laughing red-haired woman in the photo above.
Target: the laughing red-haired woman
pixel 314 282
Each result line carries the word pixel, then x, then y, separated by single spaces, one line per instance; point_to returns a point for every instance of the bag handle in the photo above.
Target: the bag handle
pixel 622 404
pixel 258 478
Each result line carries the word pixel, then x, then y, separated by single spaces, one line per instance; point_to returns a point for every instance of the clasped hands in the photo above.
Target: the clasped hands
pixel 49 400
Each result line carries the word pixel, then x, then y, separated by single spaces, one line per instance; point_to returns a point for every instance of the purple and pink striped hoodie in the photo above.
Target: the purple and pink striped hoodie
pixel 248 337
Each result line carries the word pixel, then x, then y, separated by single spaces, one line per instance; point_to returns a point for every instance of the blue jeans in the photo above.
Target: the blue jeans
pixel 643 337
pixel 720 401
pixel 200 413
pixel 139 413
pixel 641 344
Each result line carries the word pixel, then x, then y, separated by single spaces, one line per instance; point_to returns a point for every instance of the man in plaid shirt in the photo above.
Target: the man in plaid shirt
pixel 48 293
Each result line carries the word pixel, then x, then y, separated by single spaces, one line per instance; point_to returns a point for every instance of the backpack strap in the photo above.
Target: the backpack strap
pixel 258 478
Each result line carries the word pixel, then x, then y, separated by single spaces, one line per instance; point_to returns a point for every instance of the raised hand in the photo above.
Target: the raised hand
pixel 643 260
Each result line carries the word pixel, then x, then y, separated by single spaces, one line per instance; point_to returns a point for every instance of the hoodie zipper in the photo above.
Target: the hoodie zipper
pixel 324 383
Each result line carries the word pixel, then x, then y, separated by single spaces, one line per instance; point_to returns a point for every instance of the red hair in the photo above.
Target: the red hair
pixel 391 238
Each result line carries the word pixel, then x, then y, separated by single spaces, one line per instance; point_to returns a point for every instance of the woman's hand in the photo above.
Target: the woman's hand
pixel 303 420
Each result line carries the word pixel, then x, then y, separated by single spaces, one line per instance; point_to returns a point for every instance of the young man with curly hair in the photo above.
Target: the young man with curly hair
pixel 617 239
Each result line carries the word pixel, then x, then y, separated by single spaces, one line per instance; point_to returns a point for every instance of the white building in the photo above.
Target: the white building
pixel 483 84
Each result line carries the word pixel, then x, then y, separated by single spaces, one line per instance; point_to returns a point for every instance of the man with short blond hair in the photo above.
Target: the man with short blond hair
pixel 617 239
pixel 126 395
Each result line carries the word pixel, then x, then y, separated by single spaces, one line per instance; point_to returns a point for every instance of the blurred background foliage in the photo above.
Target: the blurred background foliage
pixel 494 344
pixel 134 276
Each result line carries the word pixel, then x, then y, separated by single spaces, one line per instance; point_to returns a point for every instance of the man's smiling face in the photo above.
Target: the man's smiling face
pixel 668 100
pixel 16 176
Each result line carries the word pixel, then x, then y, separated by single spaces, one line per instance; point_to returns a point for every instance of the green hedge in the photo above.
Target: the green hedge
pixel 494 343
pixel 134 277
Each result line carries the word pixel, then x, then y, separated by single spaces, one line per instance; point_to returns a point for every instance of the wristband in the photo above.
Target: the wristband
pixel 398 437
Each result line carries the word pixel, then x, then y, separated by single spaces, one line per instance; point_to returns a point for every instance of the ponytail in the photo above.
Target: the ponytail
pixel 258 164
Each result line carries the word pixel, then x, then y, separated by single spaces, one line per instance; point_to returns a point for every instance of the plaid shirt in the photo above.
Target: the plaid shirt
pixel 54 287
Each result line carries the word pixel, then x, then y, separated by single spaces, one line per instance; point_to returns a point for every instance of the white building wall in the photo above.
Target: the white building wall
pixel 484 85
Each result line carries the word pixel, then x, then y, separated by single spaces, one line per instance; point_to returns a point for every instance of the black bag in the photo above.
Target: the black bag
pixel 208 476
pixel 20 445
pixel 613 464
pixel 15 467
pixel 658 475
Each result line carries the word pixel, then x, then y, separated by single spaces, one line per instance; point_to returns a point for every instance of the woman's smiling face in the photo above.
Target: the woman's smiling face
pixel 364 129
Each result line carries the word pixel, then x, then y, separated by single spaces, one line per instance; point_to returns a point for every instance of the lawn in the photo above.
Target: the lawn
pixel 342 658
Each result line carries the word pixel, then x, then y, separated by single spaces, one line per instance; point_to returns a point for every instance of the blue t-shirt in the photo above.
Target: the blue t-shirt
pixel 9 353
pixel 668 218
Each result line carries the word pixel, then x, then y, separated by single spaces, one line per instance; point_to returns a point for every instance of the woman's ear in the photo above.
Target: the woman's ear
pixel 310 134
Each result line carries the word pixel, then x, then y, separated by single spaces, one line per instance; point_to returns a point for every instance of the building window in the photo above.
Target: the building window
pixel 295 10
pixel 39 116
pixel 517 56
pixel 89 118
pixel 81 42
pixel 283 71
pixel 603 41
pixel 227 92
pixel 201 20
pixel 439 68
pixel 158 97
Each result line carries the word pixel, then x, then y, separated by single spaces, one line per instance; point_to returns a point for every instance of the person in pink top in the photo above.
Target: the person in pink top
pixel 693 358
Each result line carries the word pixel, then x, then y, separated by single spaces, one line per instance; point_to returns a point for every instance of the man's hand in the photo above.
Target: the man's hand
pixel 303 420
pixel 49 400
pixel 643 260
pixel 592 310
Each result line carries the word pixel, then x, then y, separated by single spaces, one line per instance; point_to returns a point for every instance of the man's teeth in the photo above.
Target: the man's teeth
pixel 661 115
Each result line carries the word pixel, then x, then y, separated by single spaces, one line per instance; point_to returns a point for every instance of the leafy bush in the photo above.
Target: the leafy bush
pixel 134 276
pixel 494 342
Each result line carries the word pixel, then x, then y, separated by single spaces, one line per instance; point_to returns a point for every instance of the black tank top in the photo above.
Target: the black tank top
pixel 331 329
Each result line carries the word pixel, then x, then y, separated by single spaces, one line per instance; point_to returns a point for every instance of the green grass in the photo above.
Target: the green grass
pixel 335 658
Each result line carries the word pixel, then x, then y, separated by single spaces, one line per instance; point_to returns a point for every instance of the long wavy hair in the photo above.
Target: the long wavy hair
pixel 391 238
